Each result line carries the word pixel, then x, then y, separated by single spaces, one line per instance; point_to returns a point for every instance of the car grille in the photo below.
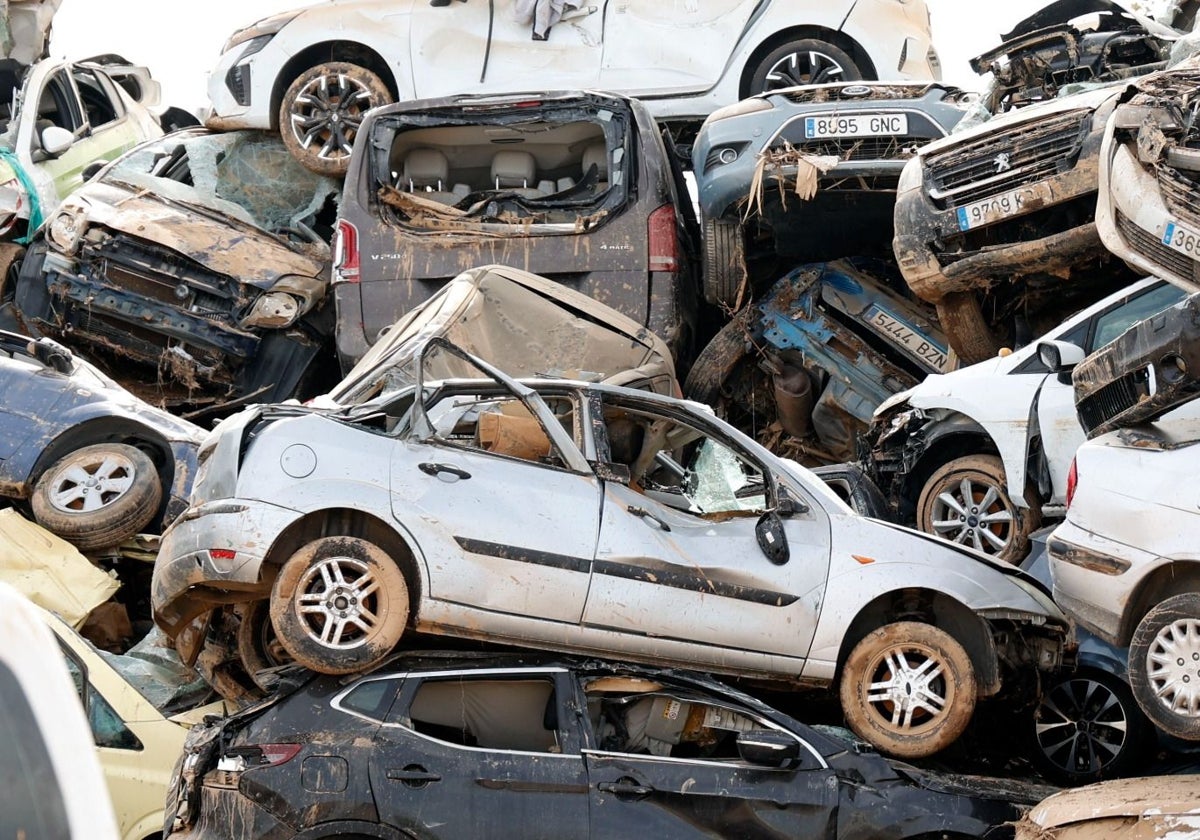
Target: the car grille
pixel 1179 191
pixel 866 148
pixel 876 92
pixel 1108 402
pixel 1031 152
pixel 1148 246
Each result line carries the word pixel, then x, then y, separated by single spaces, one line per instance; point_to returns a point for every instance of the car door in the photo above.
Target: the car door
pixel 661 764
pixel 33 394
pixel 680 561
pixel 670 47
pixel 479 47
pixel 481 753
pixel 500 500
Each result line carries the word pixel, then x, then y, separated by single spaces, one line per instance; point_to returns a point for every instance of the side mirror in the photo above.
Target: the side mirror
pixel 768 748
pixel 610 471
pixel 771 538
pixel 56 140
pixel 1060 356
pixel 90 171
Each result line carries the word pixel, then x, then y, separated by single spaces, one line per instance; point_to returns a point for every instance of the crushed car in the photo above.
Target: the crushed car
pixel 195 268
pixel 808 173
pixel 803 368
pixel 582 748
pixel 577 187
pixel 643 527
pixel 88 460
pixel 1146 808
pixel 290 73
pixel 980 455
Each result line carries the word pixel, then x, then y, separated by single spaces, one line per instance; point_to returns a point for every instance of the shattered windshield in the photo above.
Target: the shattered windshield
pixel 248 175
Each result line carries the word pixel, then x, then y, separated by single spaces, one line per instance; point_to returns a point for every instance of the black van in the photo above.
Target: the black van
pixel 579 187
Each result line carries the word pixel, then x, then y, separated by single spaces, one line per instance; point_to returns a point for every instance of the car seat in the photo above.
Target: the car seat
pixel 425 168
pixel 597 155
pixel 514 171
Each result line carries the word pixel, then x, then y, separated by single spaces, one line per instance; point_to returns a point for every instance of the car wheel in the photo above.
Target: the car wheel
pixel 98 496
pixel 966 502
pixel 1164 665
pixel 258 645
pixel 339 604
pixel 322 111
pixel 966 329
pixel 807 61
pixel 720 358
pixel 724 262
pixel 1087 728
pixel 909 689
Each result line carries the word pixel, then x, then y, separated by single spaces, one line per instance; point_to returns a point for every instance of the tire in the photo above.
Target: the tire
pixel 339 605
pixel 724 272
pixel 966 329
pixel 98 496
pixel 942 508
pixel 1087 728
pixel 807 61
pixel 913 714
pixel 719 359
pixel 322 111
pixel 1164 665
pixel 258 645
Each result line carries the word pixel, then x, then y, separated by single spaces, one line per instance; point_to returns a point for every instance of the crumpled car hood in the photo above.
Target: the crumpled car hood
pixel 1161 797
pixel 236 249
pixel 1062 11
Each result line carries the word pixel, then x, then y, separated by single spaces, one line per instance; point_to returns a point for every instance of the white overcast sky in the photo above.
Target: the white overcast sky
pixel 180 41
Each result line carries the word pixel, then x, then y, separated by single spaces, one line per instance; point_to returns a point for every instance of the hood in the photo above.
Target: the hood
pixel 1172 800
pixel 231 247
pixel 1017 792
pixel 1063 11
pixel 25 28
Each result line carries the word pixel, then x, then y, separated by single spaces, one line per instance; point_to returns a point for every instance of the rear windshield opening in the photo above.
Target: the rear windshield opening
pixel 512 171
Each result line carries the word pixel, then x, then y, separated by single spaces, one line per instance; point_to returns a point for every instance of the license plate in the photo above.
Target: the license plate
pixel 992 209
pixel 858 125
pixel 907 337
pixel 1182 239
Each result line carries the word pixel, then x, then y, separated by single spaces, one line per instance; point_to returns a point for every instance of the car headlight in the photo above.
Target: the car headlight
pixel 66 230
pixel 265 28
pixel 273 310
pixel 911 176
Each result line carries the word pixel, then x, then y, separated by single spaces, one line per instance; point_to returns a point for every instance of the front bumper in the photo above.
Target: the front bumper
pixel 1094 578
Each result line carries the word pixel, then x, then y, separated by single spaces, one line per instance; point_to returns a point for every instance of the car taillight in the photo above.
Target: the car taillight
pixel 259 755
pixel 345 253
pixel 664 248
pixel 1072 482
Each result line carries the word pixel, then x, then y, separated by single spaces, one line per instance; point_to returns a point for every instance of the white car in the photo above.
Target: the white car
pixel 1124 562
pixel 312 72
pixel 981 454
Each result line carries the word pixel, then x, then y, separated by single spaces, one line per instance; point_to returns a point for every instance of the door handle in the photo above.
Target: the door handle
pixel 626 787
pixel 450 469
pixel 414 775
pixel 642 513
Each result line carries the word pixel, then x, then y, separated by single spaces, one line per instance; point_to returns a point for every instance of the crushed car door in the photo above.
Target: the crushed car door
pixel 676 46
pixel 679 558
pixel 478 754
pixel 479 47
pixel 498 497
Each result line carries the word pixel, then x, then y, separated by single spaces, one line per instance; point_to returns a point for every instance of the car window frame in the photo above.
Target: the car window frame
pixel 86 691
pixel 106 87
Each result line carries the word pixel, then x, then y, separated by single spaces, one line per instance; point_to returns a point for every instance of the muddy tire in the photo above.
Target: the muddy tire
pixel 966 329
pixel 1164 665
pixel 339 605
pixel 909 689
pixel 258 645
pixel 966 501
pixel 98 496
pixel 724 263
pixel 1088 727
pixel 322 111
pixel 719 359
pixel 807 61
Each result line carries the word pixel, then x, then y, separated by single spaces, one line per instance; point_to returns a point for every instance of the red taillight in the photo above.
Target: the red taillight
pixel 1072 482
pixel 345 253
pixel 664 248
pixel 273 754
pixel 222 553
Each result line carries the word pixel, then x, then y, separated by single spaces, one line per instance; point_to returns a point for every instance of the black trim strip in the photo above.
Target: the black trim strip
pixel 695 582
pixel 525 555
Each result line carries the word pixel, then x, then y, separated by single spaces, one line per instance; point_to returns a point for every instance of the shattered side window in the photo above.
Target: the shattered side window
pixel 108 730
pixel 666 725
pixel 495 714
pixel 500 425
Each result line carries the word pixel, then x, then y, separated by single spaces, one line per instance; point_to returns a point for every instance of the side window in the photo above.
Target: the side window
pixel 370 698
pixel 58 106
pixel 1114 322
pixel 108 730
pixel 99 99
pixel 501 425
pixel 496 714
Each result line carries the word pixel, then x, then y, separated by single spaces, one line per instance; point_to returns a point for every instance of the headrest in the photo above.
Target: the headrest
pixel 426 168
pixel 597 154
pixel 513 169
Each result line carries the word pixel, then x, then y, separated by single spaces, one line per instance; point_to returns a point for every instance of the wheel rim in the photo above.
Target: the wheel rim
pixel 974 513
pixel 93 484
pixel 908 690
pixel 1081 726
pixel 803 67
pixel 1173 667
pixel 338 603
pixel 327 112
pixel 267 643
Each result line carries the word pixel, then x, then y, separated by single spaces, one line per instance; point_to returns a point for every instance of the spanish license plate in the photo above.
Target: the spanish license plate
pixel 992 209
pixel 857 125
pixel 907 337
pixel 1182 239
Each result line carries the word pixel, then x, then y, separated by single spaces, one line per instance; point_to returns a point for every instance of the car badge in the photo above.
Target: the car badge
pixel 1002 162
pixel 855 91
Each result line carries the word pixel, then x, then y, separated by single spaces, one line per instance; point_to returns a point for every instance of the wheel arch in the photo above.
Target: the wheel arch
pixel 1170 579
pixel 955 437
pixel 327 51
pixel 929 607
pixel 795 33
